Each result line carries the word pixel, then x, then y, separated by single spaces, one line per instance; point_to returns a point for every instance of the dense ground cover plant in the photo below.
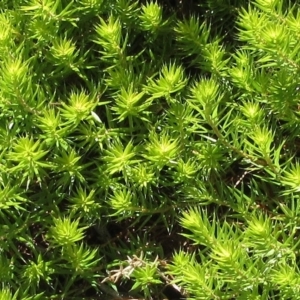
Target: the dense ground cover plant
pixel 149 149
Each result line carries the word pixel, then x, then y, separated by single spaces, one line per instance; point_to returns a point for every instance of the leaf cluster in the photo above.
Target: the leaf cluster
pixel 147 145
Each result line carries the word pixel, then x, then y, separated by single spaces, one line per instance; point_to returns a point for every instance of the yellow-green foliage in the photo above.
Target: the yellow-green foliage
pixel 149 147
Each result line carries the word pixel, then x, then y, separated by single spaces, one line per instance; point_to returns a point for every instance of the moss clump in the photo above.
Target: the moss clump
pixel 149 149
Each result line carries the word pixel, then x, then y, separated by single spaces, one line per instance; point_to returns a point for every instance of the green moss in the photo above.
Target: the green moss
pixel 149 146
